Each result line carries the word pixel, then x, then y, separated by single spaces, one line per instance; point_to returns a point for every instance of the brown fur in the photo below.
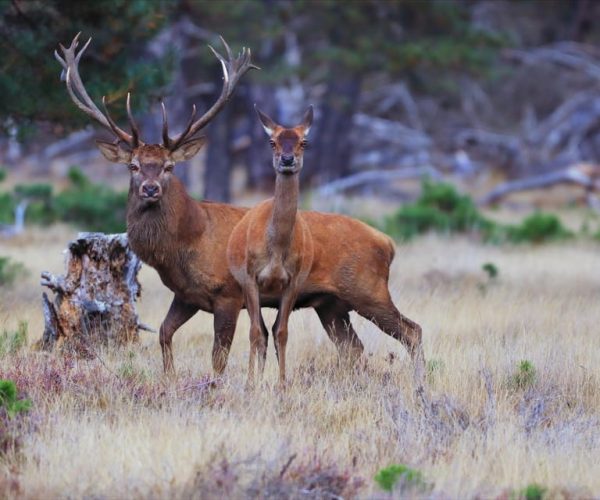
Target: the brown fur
pixel 186 242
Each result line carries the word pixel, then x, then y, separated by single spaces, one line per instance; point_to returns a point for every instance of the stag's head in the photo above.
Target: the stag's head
pixel 288 144
pixel 150 165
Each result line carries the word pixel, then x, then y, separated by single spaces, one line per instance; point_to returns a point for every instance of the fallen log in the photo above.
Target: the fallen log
pixel 94 302
pixel 584 174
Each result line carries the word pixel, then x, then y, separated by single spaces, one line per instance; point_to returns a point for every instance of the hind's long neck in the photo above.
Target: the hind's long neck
pixel 285 208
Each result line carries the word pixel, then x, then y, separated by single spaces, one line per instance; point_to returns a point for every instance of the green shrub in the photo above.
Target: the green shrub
pixel 491 270
pixel 538 228
pixel 7 208
pixel 10 271
pixel 399 475
pixel 439 208
pixel 13 417
pixel 2 174
pixel 525 375
pixel 9 400
pixel 532 492
pixel 93 207
pixel 11 342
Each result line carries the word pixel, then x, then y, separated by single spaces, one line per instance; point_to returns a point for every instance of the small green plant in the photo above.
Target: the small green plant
pixel 491 270
pixel 525 375
pixel 11 342
pixel 399 475
pixel 9 400
pixel 538 228
pixel 10 271
pixel 434 368
pixel 532 492
pixel 2 174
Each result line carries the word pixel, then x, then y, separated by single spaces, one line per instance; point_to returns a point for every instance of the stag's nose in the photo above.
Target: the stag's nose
pixel 287 160
pixel 150 190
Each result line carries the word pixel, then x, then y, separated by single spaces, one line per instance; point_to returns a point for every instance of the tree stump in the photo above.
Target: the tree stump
pixel 94 303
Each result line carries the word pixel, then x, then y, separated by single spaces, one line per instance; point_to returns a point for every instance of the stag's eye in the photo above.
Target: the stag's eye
pixel 169 167
pixel 133 168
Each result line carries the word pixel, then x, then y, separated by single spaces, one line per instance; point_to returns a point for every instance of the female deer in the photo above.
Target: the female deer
pixel 270 251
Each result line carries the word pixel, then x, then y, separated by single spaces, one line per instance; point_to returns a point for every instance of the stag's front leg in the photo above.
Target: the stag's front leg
pixel 225 319
pixel 178 314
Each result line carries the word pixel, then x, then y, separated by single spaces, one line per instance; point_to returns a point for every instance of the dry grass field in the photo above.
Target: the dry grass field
pixel 113 427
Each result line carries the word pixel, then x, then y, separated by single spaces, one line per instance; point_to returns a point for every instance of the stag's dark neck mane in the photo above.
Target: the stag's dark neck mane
pixel 156 231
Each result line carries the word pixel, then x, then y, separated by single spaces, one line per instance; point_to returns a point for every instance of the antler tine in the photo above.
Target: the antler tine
pixel 233 70
pixel 70 62
pixel 181 137
pixel 124 136
pixel 165 126
pixel 135 131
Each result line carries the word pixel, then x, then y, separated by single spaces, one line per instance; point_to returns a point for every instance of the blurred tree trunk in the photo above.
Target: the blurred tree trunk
pixel 217 173
pixel 260 171
pixel 330 149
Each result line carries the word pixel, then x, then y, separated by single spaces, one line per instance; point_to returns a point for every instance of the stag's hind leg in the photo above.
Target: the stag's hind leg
pixel 386 316
pixel 178 314
pixel 225 316
pixel 335 318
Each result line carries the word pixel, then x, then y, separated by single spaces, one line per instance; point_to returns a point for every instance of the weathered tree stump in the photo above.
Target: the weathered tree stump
pixel 94 303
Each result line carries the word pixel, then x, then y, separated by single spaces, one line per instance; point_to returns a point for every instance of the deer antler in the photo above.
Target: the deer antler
pixel 233 70
pixel 76 89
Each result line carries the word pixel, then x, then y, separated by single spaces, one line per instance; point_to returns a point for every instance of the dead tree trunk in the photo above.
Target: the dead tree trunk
pixel 94 303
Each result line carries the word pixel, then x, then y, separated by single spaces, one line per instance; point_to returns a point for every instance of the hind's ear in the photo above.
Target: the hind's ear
pixel 115 153
pixel 267 122
pixel 188 149
pixel 307 120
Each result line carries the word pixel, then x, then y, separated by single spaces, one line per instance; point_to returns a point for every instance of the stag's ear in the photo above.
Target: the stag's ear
pixel 115 153
pixel 307 120
pixel 268 124
pixel 188 149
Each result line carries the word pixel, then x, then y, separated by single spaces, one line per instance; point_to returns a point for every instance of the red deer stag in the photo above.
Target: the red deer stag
pixel 270 251
pixel 183 239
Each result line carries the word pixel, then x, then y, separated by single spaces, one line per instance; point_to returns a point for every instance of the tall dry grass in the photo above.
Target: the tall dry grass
pixel 114 427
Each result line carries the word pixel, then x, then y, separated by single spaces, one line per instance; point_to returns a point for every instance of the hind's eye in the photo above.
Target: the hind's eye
pixel 134 168
pixel 304 144
pixel 272 143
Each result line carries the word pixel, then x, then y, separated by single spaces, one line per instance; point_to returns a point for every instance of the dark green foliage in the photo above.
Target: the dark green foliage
pixel 9 400
pixel 532 492
pixel 87 205
pixel 13 417
pixel 2 174
pixel 10 271
pixel 538 228
pixel 30 31
pixel 399 475
pixel 491 270
pixel 11 342
pixel 525 375
pixel 90 206
pixel 439 208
